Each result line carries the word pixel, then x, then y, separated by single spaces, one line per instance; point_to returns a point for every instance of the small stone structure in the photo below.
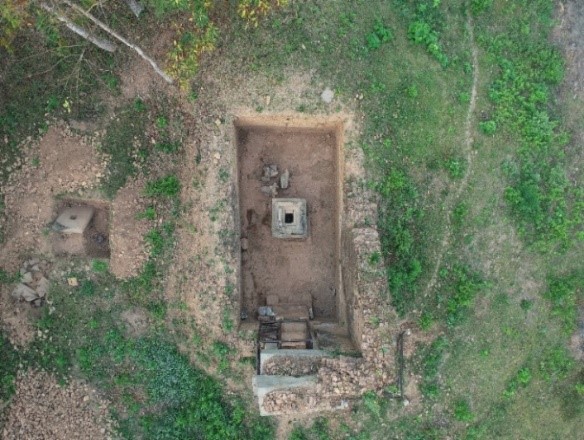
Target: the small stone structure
pixel 74 220
pixel 81 229
pixel 289 218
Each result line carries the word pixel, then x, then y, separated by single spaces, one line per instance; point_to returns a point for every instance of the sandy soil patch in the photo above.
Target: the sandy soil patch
pixel 128 251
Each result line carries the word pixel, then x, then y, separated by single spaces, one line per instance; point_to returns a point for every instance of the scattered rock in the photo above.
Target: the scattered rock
pixel 22 291
pixel 327 95
pixel 73 282
pixel 271 190
pixel 244 244
pixel 270 171
pixel 27 278
pixel 285 179
pixel 42 287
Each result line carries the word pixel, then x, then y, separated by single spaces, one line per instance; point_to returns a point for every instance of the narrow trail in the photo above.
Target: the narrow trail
pixel 467 150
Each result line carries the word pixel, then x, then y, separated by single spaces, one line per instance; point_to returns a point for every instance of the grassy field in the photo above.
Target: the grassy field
pixel 482 237
pixel 510 276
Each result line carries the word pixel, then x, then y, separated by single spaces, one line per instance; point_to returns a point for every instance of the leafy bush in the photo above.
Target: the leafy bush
pixel 462 411
pixel 488 127
pixel 148 214
pixel 556 364
pixel 563 293
pixel 431 361
pixel 456 167
pixel 99 266
pixel 479 6
pixel 168 186
pixel 318 431
pixel 380 35
pixel 461 285
pixel 371 402
pixel 539 195
pixel 125 143
pixel 155 240
pixel 399 218
pixel 520 380
pixel 424 29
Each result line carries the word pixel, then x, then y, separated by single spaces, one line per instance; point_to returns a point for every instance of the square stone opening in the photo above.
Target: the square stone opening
pixel 81 228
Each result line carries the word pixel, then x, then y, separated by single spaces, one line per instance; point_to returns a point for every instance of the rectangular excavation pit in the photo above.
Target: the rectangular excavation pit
pixel 81 228
pixel 299 269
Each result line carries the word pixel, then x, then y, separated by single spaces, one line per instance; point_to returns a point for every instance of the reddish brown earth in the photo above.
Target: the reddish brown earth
pixel 289 268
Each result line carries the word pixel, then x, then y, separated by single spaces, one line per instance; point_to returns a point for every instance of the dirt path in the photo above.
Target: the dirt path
pixel 454 196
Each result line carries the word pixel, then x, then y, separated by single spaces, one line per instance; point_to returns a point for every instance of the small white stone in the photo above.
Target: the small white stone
pixel 327 95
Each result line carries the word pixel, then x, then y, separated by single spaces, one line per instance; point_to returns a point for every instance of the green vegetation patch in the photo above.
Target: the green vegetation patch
pixel 539 194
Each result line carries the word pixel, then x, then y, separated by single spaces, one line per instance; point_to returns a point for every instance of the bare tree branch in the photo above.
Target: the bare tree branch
pixel 118 37
pixel 99 42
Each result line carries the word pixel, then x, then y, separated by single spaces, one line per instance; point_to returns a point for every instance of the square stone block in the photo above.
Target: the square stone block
pixel 289 218
pixel 74 220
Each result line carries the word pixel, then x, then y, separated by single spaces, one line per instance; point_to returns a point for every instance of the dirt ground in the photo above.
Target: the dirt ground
pixel 289 269
pixel 569 35
pixel 41 409
pixel 61 164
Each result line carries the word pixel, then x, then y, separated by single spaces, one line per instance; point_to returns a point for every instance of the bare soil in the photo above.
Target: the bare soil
pixel 289 269
pixel 42 409
pixel 569 35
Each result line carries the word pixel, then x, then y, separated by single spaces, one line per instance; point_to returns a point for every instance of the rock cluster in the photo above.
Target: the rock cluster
pixel 292 366
pixel 33 286
pixel 271 172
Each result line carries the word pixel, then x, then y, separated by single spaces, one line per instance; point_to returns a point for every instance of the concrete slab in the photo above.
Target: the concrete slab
pixel 74 220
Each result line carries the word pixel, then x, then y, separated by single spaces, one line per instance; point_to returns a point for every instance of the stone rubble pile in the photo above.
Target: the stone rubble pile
pixel 272 172
pixel 33 286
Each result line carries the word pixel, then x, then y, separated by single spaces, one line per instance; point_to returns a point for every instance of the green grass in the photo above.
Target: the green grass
pixel 9 360
pixel 507 297
pixel 499 302
pixel 168 186
pixel 126 143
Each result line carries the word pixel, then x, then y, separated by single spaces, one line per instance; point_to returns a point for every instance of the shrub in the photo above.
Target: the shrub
pixel 479 6
pixel 99 266
pixel 462 411
pixel 380 35
pixel 563 293
pixel 167 187
pixel 488 127
pixel 556 364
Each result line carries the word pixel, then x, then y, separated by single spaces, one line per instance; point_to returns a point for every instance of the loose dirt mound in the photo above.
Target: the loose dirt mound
pixel 42 409
pixel 128 253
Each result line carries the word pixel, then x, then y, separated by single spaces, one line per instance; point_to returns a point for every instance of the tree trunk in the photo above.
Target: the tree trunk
pixel 102 43
pixel 118 37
